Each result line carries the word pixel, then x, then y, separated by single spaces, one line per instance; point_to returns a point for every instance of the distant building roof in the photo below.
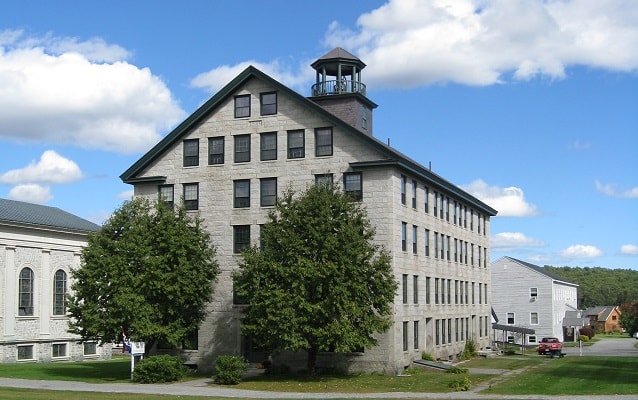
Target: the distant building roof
pixel 20 212
pixel 601 312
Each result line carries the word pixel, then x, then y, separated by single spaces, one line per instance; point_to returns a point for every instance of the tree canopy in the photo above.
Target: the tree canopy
pixel 601 286
pixel 149 270
pixel 317 282
pixel 629 317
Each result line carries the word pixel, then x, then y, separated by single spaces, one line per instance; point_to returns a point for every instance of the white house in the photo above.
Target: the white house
pixel 257 137
pixel 39 246
pixel 528 296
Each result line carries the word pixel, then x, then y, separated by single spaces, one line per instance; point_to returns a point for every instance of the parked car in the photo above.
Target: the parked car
pixel 550 346
pixel 636 335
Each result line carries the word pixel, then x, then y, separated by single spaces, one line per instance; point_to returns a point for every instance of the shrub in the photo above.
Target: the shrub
pixel 583 338
pixel 457 370
pixel 158 369
pixel 587 331
pixel 229 369
pixel 427 356
pixel 463 384
pixel 469 351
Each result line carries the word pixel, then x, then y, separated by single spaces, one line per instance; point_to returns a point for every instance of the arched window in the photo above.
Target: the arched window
pixel 59 293
pixel 25 292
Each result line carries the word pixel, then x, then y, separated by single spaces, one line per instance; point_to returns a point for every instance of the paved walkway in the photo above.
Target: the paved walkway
pixel 205 388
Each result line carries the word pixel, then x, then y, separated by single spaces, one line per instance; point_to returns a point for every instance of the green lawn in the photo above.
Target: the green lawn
pixel 537 376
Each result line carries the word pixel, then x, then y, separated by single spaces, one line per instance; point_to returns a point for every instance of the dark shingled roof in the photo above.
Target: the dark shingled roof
pixel 19 212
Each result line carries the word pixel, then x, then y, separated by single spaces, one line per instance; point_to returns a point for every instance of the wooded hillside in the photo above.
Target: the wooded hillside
pixel 601 286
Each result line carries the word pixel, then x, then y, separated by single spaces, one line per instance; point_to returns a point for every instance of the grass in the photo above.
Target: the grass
pixel 574 376
pixel 538 376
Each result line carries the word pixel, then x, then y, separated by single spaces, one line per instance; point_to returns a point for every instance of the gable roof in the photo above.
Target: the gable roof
pixel 392 158
pixel 602 313
pixel 22 213
pixel 538 269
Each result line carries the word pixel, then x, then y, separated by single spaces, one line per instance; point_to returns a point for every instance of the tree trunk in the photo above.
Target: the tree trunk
pixel 312 361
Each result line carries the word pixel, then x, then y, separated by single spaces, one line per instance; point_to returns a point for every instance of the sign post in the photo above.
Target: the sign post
pixel 137 350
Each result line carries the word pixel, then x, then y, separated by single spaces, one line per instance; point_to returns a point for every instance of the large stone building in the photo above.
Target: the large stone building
pixel 39 246
pixel 257 137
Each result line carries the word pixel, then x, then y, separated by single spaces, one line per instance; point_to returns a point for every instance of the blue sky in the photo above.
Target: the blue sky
pixel 532 106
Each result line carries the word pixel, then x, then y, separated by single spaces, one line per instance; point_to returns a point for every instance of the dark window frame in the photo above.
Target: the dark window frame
pixel 190 150
pixel 323 147
pixel 215 156
pixel 25 292
pixel 352 188
pixel 294 150
pixel 266 150
pixel 190 203
pixel 267 195
pixel 241 146
pixel 242 110
pixel 59 292
pixel 241 238
pixel 163 195
pixel 241 193
pixel 270 107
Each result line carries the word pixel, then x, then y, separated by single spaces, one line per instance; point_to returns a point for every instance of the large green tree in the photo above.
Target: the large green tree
pixel 629 317
pixel 317 282
pixel 149 270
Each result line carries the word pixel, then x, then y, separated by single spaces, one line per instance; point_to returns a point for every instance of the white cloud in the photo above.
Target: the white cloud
pixel 31 193
pixel 508 240
pixel 51 168
pixel 62 90
pixel 609 189
pixel 126 195
pixel 218 77
pixel 629 249
pixel 509 201
pixel 411 43
pixel 581 251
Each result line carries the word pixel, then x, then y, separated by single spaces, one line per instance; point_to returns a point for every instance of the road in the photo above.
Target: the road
pixel 606 347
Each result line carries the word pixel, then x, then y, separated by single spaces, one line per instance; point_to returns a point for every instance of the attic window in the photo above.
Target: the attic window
pixel 533 293
pixel 242 106
pixel 268 103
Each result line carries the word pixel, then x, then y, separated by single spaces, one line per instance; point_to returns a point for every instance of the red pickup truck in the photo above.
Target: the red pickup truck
pixel 550 346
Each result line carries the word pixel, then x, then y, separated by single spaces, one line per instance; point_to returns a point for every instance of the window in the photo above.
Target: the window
pixel 268 146
pixel 25 352
pixel 191 196
pixel 436 290
pixel 364 118
pixel 416 335
pixel 414 187
pixel 404 233
pixel 405 335
pixel 215 150
pixel 485 292
pixel 510 318
pixel 461 292
pixel 296 144
pixel 449 291
pixel 436 204
pixel 191 152
pixel 324 179
pixel 436 244
pixel 443 335
pixel 241 238
pixel 447 209
pixel 533 318
pixel 58 350
pixel 25 295
pixel 441 198
pixel 531 339
pixel 480 294
pixel 427 242
pixel 268 103
pixel 427 196
pixel 268 189
pixel 437 332
pixel 449 330
pixel 191 341
pixel 533 293
pixel 90 348
pixel 242 106
pixel 352 185
pixel 323 142
pixel 59 293
pixel 241 193
pixel 415 289
pixel 403 189
pixel 242 148
pixel 404 287
pixel 167 195
pixel 456 329
pixel 414 238
pixel 427 290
